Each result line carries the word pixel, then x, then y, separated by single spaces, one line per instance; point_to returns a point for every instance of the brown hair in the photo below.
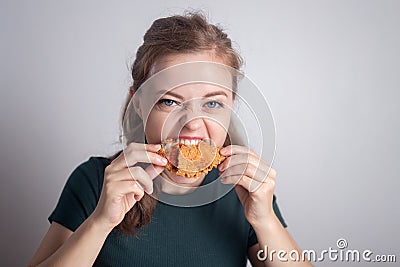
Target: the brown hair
pixel 177 34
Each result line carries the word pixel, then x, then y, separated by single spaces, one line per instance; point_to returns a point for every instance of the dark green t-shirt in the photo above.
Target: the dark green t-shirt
pixel 215 234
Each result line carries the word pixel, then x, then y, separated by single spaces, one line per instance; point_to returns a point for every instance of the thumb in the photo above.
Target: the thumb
pixel 154 170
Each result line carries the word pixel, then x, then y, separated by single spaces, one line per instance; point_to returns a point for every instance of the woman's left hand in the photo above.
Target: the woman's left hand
pixel 254 181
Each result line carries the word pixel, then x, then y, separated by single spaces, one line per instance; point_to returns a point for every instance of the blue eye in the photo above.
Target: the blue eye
pixel 213 104
pixel 167 102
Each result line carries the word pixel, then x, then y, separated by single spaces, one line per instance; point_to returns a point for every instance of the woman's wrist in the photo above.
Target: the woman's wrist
pixel 99 226
pixel 267 224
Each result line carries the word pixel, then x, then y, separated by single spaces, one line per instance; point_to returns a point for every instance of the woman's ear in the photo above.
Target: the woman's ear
pixel 131 91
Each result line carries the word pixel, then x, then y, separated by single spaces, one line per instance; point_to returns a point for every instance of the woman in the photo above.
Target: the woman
pixel 106 215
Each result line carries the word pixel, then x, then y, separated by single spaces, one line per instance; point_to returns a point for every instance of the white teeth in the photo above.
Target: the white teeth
pixel 187 142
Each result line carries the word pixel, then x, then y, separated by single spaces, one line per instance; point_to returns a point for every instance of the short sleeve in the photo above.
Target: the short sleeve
pixel 252 234
pixel 79 196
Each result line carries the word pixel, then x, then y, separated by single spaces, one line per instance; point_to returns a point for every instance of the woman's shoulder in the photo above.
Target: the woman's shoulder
pixel 80 193
pixel 89 172
pixel 92 166
pixel 96 163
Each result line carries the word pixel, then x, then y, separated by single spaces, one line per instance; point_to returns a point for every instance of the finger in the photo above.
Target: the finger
pixel 135 153
pixel 122 188
pixel 136 174
pixel 153 171
pixel 152 147
pixel 246 169
pixel 239 169
pixel 145 157
pixel 143 178
pixel 139 147
pixel 131 198
pixel 251 160
pixel 134 196
pixel 235 149
pixel 234 160
pixel 242 158
pixel 144 147
pixel 246 182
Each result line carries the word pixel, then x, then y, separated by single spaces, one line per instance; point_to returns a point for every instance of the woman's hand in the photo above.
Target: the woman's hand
pixel 254 182
pixel 124 184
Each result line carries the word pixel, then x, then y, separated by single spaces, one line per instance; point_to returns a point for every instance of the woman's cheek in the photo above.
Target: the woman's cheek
pixel 154 128
pixel 218 134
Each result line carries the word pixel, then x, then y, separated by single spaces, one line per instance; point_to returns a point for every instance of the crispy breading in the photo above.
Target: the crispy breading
pixel 192 161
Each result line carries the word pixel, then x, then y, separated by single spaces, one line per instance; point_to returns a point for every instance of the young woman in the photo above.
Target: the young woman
pixel 107 216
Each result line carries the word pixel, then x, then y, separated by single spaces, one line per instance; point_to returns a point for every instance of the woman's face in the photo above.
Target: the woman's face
pixel 190 112
pixel 203 117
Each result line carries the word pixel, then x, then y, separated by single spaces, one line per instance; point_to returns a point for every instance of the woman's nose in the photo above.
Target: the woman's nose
pixel 193 124
pixel 191 117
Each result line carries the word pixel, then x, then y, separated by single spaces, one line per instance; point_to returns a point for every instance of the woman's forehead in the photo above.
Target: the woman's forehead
pixel 168 61
pixel 190 80
pixel 197 90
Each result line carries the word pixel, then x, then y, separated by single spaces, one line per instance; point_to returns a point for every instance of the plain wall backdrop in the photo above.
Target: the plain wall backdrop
pixel 329 70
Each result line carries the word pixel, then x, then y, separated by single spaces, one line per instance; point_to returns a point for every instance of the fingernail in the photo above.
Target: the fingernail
pixel 163 160
pixel 225 151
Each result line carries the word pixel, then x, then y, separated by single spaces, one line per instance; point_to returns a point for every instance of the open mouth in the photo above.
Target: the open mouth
pixel 187 142
pixel 190 157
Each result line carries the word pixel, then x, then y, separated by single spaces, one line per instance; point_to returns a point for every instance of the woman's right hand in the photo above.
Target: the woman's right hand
pixel 124 184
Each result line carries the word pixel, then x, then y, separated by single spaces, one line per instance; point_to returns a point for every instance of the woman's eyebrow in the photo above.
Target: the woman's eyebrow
pixel 206 95
pixel 216 93
pixel 173 94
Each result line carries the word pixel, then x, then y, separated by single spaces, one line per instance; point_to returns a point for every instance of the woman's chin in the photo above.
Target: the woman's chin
pixel 184 181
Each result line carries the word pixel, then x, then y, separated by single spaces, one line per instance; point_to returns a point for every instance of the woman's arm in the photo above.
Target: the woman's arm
pixel 124 184
pixel 54 238
pixel 62 247
pixel 273 237
pixel 254 181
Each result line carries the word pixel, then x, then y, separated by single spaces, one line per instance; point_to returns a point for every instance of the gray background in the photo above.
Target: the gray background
pixel 329 69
